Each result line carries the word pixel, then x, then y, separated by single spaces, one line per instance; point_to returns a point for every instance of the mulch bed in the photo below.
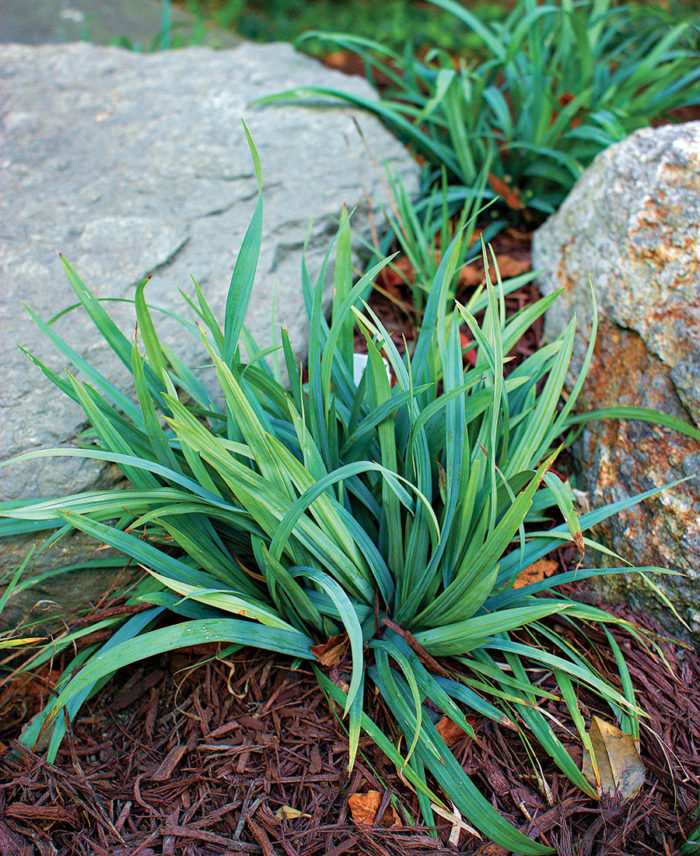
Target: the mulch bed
pixel 391 300
pixel 192 754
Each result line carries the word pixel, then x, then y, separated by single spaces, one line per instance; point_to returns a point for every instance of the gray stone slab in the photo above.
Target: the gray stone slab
pixel 132 164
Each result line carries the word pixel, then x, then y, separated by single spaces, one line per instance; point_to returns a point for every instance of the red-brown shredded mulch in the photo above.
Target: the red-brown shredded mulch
pixel 190 754
pixel 392 302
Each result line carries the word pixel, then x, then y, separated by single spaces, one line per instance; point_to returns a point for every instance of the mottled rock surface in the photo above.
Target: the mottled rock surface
pixel 133 164
pixel 632 224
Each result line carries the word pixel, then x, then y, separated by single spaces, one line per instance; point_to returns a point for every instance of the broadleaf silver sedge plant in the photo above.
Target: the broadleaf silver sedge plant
pixel 398 514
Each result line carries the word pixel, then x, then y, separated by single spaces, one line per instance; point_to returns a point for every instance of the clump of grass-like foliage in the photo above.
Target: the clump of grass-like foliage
pixel 556 83
pixel 398 510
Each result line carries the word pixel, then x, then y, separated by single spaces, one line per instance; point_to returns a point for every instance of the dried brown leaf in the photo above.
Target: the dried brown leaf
pixel 470 275
pixel 330 652
pixel 564 100
pixel 510 266
pixel 620 769
pixel 364 808
pixel 510 195
pixel 286 812
pixel 536 572
pixel 449 731
pixel 399 273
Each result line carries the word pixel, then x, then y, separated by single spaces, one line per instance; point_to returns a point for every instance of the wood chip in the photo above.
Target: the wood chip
pixel 172 759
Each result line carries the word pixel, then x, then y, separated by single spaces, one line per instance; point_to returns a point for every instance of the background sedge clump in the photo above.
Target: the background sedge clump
pixel 396 511
pixel 547 88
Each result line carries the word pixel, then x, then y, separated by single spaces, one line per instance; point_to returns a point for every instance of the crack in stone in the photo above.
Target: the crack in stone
pixel 167 262
pixel 215 176
pixel 238 200
pixel 217 212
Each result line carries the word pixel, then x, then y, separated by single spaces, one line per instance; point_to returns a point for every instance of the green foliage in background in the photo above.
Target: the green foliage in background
pixel 170 35
pixel 558 82
pixel 394 22
pixel 398 513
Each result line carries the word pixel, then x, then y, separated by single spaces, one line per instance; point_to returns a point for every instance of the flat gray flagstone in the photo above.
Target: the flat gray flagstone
pixel 136 164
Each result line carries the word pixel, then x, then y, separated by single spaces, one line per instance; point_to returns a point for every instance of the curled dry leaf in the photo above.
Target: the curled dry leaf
pixel 364 808
pixel 536 572
pixel 620 769
pixel 449 731
pixel 331 652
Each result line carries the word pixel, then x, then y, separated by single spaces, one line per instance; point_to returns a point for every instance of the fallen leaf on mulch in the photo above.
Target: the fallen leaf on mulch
pixel 466 342
pixel 364 808
pixel 23 696
pixel 510 266
pixel 620 769
pixel 470 275
pixel 564 100
pixel 535 572
pixel 401 271
pixel 456 822
pixel 345 61
pixel 286 812
pixel 350 63
pixel 510 195
pixel 330 652
pixel 449 731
